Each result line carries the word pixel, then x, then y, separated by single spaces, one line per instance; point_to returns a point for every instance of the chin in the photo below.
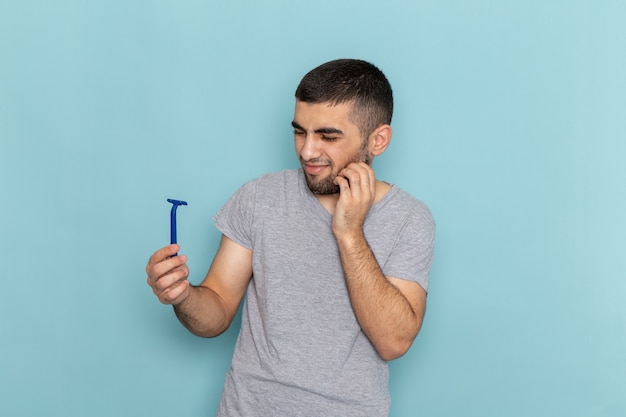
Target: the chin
pixel 325 191
pixel 323 186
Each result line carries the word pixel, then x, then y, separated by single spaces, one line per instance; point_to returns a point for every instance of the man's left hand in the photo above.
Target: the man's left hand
pixel 357 190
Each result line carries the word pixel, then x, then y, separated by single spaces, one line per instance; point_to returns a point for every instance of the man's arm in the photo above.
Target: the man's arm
pixel 389 310
pixel 208 309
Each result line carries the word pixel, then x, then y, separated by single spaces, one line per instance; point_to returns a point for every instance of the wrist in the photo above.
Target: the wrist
pixel 349 238
pixel 185 297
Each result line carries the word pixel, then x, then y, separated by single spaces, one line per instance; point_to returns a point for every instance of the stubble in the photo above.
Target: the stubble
pixel 327 186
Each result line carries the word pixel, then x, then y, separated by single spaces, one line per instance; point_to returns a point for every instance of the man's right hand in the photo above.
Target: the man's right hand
pixel 167 275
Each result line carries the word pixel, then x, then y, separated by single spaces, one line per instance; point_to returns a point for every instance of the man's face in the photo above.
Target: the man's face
pixel 326 142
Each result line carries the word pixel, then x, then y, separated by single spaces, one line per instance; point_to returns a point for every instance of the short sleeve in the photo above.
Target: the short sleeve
pixel 412 254
pixel 236 217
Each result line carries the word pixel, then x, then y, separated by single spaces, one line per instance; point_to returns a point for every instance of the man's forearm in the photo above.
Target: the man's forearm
pixel 384 313
pixel 203 312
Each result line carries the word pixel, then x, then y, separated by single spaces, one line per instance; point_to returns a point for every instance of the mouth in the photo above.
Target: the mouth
pixel 314 169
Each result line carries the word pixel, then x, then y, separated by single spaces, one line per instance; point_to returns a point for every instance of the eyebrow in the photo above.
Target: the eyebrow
pixel 322 130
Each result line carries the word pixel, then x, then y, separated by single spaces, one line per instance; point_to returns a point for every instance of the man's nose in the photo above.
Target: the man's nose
pixel 310 148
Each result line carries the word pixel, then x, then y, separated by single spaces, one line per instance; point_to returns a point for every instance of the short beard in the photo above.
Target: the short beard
pixel 327 186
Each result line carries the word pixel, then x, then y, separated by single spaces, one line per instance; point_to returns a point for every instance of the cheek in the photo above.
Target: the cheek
pixel 343 158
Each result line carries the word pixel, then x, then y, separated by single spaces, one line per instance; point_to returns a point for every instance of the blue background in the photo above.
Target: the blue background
pixel 510 124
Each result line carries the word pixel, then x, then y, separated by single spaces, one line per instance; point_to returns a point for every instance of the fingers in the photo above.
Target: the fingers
pixel 169 278
pixel 163 254
pixel 175 293
pixel 163 260
pixel 358 178
pixel 167 274
pixel 357 191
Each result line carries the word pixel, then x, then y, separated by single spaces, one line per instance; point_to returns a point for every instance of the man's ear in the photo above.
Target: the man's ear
pixel 380 139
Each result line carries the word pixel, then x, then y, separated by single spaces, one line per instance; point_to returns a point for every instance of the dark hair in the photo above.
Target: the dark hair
pixel 351 80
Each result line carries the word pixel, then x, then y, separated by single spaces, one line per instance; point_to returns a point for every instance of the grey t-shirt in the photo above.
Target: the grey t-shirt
pixel 300 350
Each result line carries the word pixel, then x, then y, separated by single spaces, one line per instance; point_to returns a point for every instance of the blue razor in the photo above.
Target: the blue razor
pixel 175 204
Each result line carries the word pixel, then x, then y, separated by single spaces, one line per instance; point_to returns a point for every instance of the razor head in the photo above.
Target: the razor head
pixel 177 202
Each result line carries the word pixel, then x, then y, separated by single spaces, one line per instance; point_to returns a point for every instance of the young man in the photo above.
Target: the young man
pixel 335 263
